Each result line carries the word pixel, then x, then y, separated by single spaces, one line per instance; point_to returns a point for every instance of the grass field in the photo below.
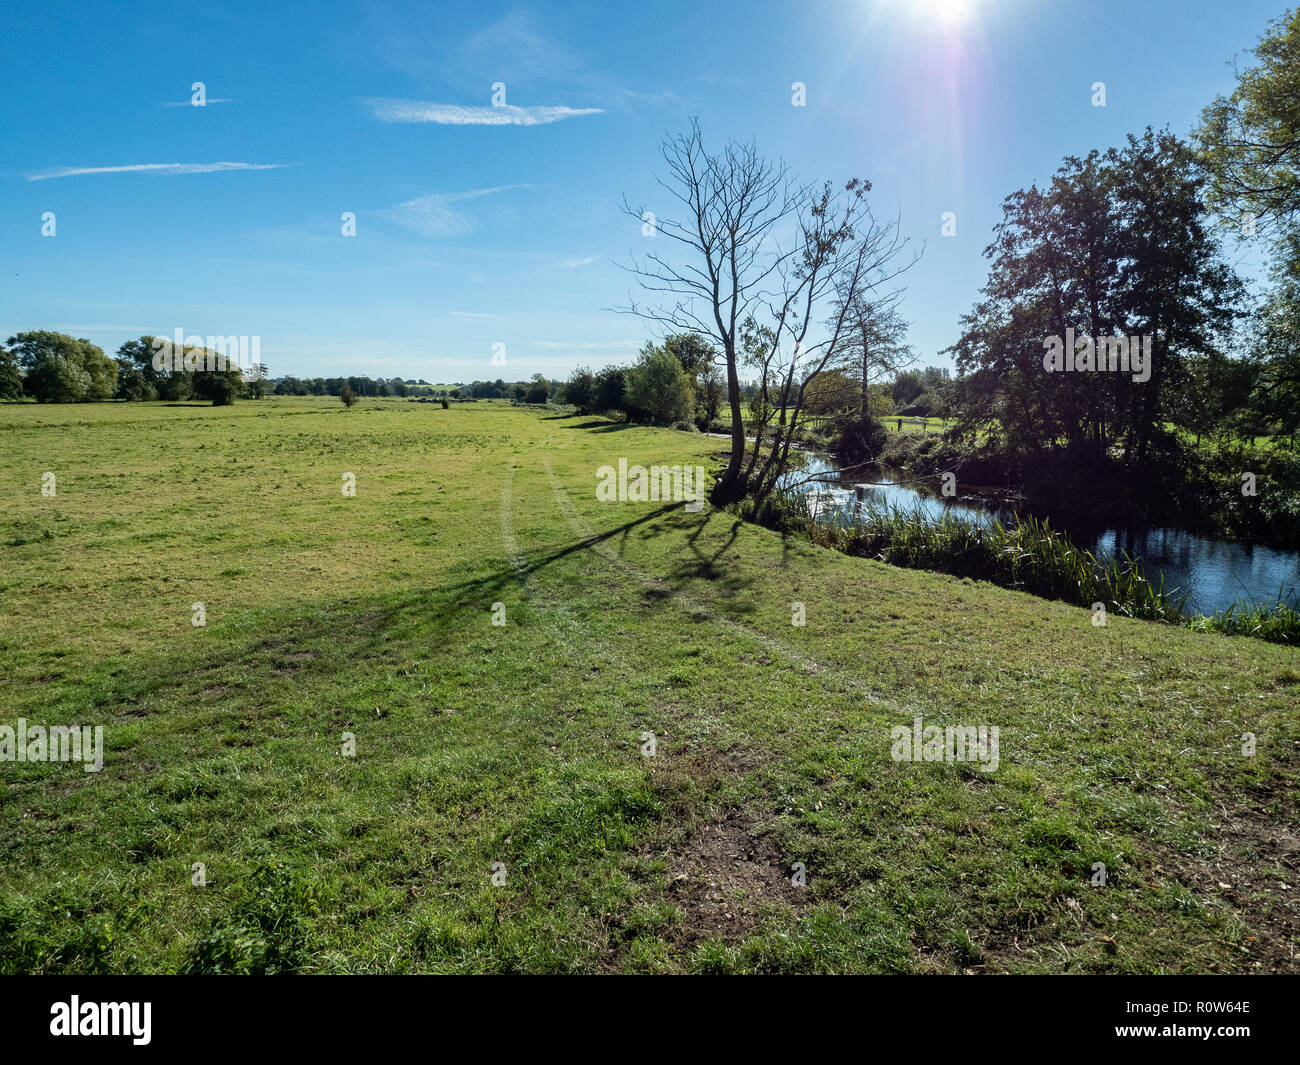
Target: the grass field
pixel 515 751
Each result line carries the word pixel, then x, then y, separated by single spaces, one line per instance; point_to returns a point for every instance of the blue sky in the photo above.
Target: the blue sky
pixel 471 234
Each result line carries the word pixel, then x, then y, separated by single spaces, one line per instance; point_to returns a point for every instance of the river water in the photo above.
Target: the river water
pixel 1214 573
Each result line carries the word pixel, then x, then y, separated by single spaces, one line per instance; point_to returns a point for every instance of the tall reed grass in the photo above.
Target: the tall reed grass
pixel 1027 555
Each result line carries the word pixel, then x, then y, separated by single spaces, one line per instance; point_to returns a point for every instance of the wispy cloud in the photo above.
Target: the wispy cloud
pixel 152 168
pixel 573 264
pixel 209 100
pixel 473 314
pixel 390 110
pixel 433 215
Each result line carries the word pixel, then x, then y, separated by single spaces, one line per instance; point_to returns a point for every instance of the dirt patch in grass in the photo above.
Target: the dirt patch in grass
pixel 725 873
pixel 726 877
pixel 1256 876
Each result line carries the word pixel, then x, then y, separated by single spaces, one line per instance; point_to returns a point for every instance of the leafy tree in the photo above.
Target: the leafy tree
pixel 1117 245
pixel 580 390
pixel 255 383
pixel 711 391
pixel 830 392
pixel 222 387
pixel 693 351
pixel 539 389
pixel 346 394
pixel 658 385
pixel 62 369
pixel 1251 139
pixel 611 389
pixel 1251 144
pixel 11 380
pixel 907 386
pixel 131 382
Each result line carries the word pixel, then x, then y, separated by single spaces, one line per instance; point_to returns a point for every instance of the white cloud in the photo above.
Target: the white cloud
pixel 473 314
pixel 573 264
pixel 389 110
pixel 431 215
pixel 209 100
pixel 152 168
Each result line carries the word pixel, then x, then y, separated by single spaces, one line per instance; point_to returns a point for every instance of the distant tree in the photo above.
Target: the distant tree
pixel 693 351
pixel 131 382
pixel 659 386
pixel 580 390
pixel 611 390
pixel 347 395
pixel 875 340
pixel 830 392
pixel 907 386
pixel 11 379
pixel 539 389
pixel 221 387
pixel 255 383
pixel 711 391
pixel 62 369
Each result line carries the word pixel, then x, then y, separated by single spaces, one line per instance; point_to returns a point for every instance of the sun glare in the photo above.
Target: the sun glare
pixel 947 12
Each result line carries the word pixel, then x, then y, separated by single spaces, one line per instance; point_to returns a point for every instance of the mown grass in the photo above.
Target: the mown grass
pixel 522 744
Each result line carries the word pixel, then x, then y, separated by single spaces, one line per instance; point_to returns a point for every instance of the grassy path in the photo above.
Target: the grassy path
pixel 518 747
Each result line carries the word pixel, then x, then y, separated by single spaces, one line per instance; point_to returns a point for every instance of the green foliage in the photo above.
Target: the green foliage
pixel 1119 244
pixel 658 386
pixel 580 390
pixel 132 385
pixel 611 390
pixel 69 928
pixel 220 386
pixel 692 351
pixel 11 380
pixel 539 390
pixel 62 369
pixel 349 397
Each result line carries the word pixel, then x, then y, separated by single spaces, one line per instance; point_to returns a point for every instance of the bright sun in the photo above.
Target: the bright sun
pixel 948 12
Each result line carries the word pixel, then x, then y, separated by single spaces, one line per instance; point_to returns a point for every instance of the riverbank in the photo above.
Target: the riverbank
pixel 766 676
pixel 1235 494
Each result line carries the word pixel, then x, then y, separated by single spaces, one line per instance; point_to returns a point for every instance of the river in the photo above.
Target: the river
pixel 1214 573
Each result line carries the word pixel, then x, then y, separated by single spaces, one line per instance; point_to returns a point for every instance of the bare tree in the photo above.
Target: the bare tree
pixel 760 300
pixel 731 202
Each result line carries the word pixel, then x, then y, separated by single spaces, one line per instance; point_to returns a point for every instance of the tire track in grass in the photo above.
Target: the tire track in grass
pixel 578 641
pixel 592 539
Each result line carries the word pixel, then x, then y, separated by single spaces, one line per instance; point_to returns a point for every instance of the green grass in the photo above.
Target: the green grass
pixel 521 744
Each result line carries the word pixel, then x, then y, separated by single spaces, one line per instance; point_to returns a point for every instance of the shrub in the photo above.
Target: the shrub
pixel 658 385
